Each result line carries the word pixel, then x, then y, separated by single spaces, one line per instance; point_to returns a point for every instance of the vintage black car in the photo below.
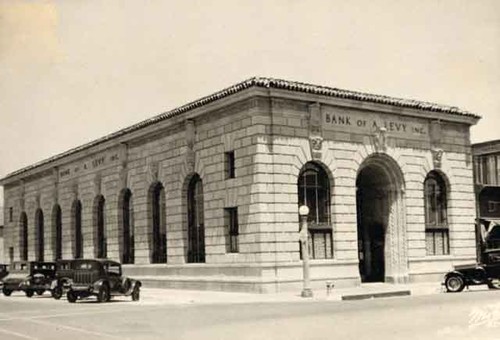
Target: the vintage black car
pixel 29 277
pixel 487 269
pixel 63 278
pixel 101 278
pixel 486 272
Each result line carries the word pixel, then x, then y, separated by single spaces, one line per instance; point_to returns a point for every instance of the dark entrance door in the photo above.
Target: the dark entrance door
pixel 372 212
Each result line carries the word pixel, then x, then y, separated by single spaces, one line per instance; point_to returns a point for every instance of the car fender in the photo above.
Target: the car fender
pixel 483 275
pixel 133 284
pixel 454 272
pixel 61 282
pixel 98 284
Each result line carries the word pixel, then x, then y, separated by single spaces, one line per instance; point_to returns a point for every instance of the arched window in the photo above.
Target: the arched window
pixel 196 221
pixel 127 227
pixel 57 229
pixel 436 218
pixel 39 234
pixel 100 228
pixel 77 229
pixel 158 230
pixel 23 246
pixel 314 192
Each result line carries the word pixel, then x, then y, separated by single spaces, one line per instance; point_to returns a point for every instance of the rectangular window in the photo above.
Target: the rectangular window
pixel 437 242
pixel 11 214
pixel 231 221
pixel 492 206
pixel 477 171
pixel 321 244
pixel 484 170
pixel 229 164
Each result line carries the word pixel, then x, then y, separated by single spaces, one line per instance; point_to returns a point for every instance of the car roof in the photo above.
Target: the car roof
pixel 43 262
pixel 103 261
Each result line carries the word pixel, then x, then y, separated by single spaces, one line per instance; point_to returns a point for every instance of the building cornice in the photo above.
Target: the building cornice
pixel 485 148
pixel 251 87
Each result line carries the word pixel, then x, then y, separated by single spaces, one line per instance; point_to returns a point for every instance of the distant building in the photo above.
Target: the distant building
pixel 207 195
pixel 2 251
pixel 487 178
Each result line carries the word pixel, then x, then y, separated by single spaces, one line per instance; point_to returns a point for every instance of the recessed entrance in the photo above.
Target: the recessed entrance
pixel 381 223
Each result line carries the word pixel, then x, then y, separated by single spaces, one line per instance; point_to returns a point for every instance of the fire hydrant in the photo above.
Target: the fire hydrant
pixel 329 286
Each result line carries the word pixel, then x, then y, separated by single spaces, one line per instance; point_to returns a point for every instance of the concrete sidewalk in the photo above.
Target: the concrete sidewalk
pixel 153 296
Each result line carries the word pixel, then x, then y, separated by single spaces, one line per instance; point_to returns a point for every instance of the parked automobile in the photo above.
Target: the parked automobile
pixel 487 269
pixel 486 272
pixel 101 278
pixel 63 278
pixel 29 277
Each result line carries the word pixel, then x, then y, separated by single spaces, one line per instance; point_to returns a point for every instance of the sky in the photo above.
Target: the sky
pixel 72 71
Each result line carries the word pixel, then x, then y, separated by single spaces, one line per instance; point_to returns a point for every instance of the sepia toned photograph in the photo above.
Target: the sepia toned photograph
pixel 243 169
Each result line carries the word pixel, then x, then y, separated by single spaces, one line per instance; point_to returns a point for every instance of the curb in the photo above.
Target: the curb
pixel 365 296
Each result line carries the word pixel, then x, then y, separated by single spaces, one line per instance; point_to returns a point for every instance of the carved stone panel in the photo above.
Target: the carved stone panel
pixel 437 156
pixel 380 139
pixel 152 171
pixel 97 183
pixel 190 137
pixel 315 130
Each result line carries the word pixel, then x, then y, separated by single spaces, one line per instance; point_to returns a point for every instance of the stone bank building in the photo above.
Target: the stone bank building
pixel 206 195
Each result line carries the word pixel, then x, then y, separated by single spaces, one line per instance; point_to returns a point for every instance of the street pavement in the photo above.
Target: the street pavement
pixel 180 314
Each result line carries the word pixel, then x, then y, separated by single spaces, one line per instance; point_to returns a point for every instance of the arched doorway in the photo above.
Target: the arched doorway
pixel 381 221
pixel 196 221
pixel 57 231
pixel 23 244
pixel 39 235
pixel 77 229
pixel 100 227
pixel 158 228
pixel 127 245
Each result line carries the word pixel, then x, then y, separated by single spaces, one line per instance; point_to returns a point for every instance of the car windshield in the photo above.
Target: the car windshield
pixel 63 266
pixel 20 266
pixel 113 269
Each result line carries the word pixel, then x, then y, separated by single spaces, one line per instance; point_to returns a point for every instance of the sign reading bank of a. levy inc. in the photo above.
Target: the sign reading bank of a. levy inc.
pixel 366 123
pixel 95 162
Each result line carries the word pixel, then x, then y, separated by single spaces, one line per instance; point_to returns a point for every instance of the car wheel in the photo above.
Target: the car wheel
pixel 29 293
pixel 71 297
pixel 40 292
pixel 136 293
pixel 103 294
pixel 57 293
pixel 6 292
pixel 494 284
pixel 454 283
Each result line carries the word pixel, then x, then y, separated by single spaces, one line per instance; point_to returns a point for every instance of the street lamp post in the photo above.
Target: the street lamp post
pixel 306 290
